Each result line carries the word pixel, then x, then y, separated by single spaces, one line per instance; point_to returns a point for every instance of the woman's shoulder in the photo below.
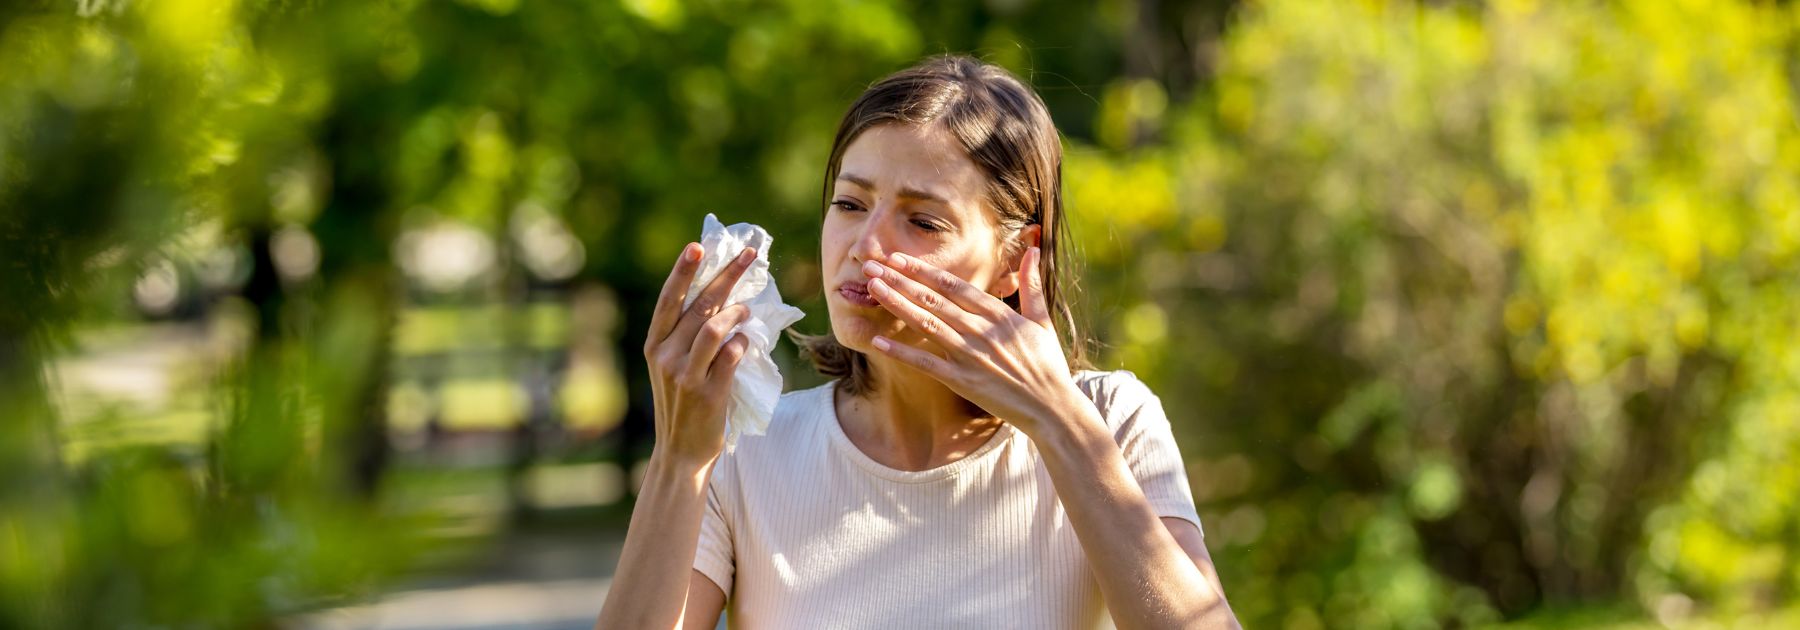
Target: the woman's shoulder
pixel 1117 393
pixel 1111 385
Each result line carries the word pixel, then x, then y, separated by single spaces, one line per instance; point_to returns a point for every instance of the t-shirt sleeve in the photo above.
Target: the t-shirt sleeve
pixel 713 556
pixel 1148 444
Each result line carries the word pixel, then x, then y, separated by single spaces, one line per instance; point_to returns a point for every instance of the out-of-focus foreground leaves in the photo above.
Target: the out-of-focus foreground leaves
pixel 1462 310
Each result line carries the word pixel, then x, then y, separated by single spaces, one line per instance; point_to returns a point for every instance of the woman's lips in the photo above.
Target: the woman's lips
pixel 857 293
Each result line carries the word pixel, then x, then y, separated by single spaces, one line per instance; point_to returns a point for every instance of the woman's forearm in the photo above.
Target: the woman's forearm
pixel 1147 579
pixel 650 587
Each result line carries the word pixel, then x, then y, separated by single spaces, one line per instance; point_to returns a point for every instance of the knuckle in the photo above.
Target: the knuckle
pixel 930 326
pixel 711 336
pixel 930 301
pixel 719 325
pixel 704 305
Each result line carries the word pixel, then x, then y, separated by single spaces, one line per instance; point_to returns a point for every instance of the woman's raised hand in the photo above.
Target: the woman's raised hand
pixel 691 361
pixel 1008 362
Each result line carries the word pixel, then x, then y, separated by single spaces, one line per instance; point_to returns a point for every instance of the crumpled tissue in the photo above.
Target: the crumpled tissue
pixel 757 385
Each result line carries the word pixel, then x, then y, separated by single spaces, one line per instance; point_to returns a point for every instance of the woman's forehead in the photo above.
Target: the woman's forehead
pixel 919 159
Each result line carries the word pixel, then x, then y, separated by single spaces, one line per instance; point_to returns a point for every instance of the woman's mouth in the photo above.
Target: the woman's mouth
pixel 857 294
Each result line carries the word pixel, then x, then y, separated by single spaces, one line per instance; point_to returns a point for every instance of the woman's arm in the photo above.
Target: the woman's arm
pixel 691 365
pixel 1148 579
pixel 1192 542
pixel 653 586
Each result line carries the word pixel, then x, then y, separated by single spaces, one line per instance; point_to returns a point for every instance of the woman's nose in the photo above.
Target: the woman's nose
pixel 871 243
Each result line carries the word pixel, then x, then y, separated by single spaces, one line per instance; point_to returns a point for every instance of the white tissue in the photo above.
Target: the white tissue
pixel 757 385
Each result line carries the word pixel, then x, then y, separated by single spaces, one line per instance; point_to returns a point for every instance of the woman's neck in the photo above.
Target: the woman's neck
pixel 911 421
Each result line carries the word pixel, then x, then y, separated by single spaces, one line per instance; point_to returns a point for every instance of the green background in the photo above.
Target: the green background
pixel 1465 312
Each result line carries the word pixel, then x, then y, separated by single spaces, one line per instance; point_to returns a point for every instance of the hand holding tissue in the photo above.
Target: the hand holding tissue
pixel 756 386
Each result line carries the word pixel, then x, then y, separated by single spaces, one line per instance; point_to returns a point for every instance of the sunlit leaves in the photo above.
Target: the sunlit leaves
pixel 1534 261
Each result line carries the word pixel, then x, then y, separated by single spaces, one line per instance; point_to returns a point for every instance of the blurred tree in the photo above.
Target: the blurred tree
pixel 1474 295
pixel 1461 309
pixel 89 181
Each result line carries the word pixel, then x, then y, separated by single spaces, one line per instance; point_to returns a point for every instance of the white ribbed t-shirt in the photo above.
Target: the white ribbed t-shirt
pixel 804 530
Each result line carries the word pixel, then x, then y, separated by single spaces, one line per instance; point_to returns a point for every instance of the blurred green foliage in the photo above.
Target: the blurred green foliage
pixel 1475 306
pixel 1463 310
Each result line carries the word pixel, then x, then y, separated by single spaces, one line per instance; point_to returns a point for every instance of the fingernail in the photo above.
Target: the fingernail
pixel 897 258
pixel 691 252
pixel 881 343
pixel 744 257
pixel 877 286
pixel 872 269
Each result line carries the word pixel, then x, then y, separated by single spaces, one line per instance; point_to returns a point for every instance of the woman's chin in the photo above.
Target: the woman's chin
pixel 854 332
pixel 854 337
pixel 860 346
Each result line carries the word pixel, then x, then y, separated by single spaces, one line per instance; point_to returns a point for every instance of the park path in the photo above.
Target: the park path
pixel 528 581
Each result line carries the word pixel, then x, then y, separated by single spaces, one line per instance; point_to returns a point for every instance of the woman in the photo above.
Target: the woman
pixel 960 472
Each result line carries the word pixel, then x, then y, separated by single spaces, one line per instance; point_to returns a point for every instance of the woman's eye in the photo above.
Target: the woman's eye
pixel 850 206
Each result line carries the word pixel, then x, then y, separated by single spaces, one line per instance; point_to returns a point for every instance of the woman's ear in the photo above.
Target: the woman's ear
pixel 1014 279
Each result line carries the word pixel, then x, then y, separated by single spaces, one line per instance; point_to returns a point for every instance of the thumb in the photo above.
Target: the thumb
pixel 1032 303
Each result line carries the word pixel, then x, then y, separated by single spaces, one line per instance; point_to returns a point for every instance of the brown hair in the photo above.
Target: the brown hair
pixel 1007 132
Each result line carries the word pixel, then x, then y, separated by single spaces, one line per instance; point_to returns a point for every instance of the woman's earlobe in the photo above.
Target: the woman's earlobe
pixel 1011 282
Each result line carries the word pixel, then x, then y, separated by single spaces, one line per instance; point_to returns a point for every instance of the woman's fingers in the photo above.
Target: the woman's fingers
pixel 711 338
pixel 919 359
pixel 674 292
pixel 725 365
pixel 968 296
pixel 924 296
pixel 915 317
pixel 711 299
pixel 1031 299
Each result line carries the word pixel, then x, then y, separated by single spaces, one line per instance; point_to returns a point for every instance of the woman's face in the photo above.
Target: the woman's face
pixel 909 189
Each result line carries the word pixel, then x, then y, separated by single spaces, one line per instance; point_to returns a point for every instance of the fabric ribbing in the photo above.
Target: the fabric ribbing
pixel 803 530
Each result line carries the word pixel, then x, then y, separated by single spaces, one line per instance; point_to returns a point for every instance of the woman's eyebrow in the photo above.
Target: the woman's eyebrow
pixel 910 193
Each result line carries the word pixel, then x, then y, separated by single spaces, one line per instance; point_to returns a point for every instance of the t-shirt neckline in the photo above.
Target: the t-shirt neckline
pixel 841 441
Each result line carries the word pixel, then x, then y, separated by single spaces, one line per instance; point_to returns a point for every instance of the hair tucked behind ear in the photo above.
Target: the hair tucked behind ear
pixel 1007 131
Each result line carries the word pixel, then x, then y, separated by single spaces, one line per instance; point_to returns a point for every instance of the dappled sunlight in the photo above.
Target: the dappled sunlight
pixel 332 313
